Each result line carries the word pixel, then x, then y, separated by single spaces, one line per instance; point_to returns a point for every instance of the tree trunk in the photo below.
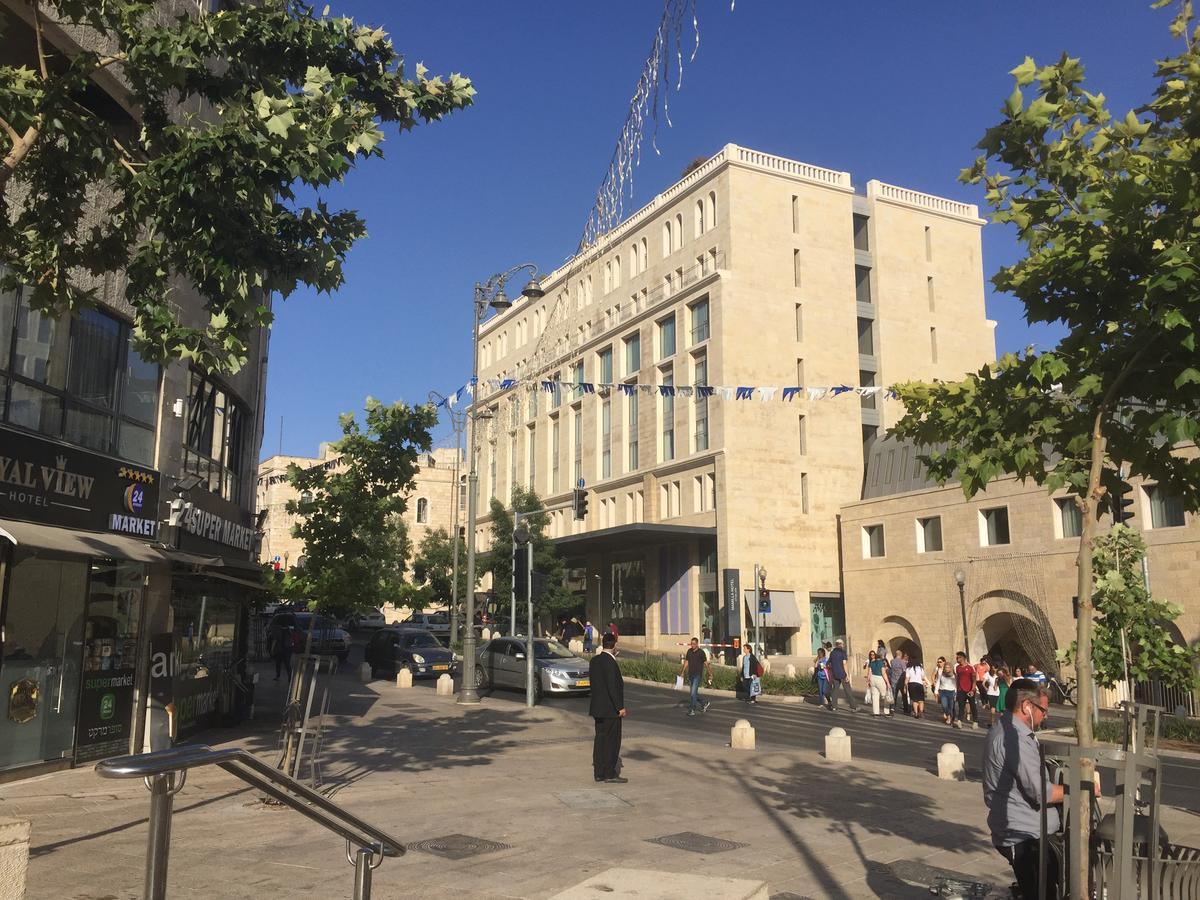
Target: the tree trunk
pixel 1080 793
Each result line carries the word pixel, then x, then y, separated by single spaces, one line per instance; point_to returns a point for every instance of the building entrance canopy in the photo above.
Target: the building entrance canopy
pixel 31 536
pixel 634 536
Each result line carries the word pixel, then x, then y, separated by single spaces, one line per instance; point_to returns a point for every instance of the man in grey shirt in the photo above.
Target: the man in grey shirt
pixel 1013 784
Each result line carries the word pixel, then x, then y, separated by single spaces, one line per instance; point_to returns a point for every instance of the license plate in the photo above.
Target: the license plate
pixel 583 683
pixel 440 668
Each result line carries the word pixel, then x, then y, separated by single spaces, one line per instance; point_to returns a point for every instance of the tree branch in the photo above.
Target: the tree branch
pixel 109 60
pixel 9 130
pixel 37 31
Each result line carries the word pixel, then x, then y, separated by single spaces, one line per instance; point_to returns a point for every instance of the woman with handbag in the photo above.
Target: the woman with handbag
pixel 750 672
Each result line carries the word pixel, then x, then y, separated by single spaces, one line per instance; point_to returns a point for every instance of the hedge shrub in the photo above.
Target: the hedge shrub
pixel 724 677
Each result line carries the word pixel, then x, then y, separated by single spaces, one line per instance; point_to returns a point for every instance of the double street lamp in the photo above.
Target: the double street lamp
pixel 488 295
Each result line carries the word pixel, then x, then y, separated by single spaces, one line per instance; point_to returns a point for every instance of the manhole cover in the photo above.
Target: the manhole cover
pixel 697 843
pixel 457 846
pixel 591 800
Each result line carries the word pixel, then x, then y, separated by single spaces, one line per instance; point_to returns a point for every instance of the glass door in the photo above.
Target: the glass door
pixel 42 652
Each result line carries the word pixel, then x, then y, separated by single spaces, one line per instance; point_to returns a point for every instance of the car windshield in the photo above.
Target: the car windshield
pixel 422 640
pixel 551 650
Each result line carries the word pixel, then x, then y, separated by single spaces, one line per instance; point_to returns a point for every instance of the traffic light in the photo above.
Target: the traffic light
pixel 764 601
pixel 1122 502
pixel 580 503
pixel 520 572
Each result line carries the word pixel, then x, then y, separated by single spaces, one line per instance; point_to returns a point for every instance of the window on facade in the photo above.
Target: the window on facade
pixel 928 244
pixel 631 430
pixel 616 271
pixel 216 435
pixel 872 541
pixel 804 492
pixel 700 217
pixel 993 526
pixel 862 284
pixel 929 290
pixel 633 353
pixel 642 255
pixel 605 358
pixel 1070 520
pixel 422 511
pixel 668 420
pixel 803 434
pixel 700 329
pixel 492 469
pixel 933 344
pixel 866 379
pixel 866 336
pixel 678 231
pixel 666 337
pixel 667 242
pixel 712 209
pixel 795 214
pixel 799 372
pixel 701 377
pixel 555 450
pixel 534 402
pixel 1166 510
pixel 861 240
pixel 929 534
pixel 577 373
pixel 577 428
pixel 512 464
pixel 531 456
pixel 799 321
pixel 796 267
pixel 606 439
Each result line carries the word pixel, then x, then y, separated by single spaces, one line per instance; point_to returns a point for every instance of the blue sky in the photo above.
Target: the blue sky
pixel 895 91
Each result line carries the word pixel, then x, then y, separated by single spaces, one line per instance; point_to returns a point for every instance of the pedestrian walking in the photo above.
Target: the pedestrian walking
pixel 822 677
pixel 875 668
pixel 914 685
pixel 991 694
pixel 281 649
pixel 589 637
pixel 1035 674
pixel 695 667
pixel 1002 682
pixel 612 629
pixel 750 670
pixel 982 668
pixel 946 689
pixel 1014 781
pixel 839 676
pixel 964 674
pixel 896 668
pixel 607 707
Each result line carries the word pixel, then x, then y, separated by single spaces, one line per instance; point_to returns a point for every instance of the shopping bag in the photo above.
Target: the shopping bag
pixel 679 682
pixel 755 686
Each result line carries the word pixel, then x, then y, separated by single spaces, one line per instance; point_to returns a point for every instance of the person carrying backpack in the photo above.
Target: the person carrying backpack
pixel 589 637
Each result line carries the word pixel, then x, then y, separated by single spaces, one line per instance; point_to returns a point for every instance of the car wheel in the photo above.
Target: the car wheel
pixel 481 680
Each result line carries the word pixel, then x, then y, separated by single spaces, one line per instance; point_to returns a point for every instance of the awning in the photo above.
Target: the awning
pixel 233 579
pixel 78 543
pixel 232 568
pixel 785 611
pixel 192 559
pixel 634 536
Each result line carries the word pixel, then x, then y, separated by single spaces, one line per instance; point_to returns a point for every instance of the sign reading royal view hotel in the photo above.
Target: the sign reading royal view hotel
pixel 51 483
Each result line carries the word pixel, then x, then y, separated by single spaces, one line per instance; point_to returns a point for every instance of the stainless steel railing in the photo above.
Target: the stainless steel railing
pixel 165 773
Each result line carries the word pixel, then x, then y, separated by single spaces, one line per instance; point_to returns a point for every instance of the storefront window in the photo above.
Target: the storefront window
pixel 206 629
pixel 629 597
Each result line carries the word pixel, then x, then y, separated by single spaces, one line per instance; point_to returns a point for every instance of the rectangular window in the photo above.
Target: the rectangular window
pixel 577 427
pixel 800 373
pixel 866 337
pixel 928 244
pixel 556 394
pixel 861 241
pixel 929 290
pixel 795 214
pixel 512 464
pixel 1166 510
pixel 531 456
pixel 933 344
pixel 631 430
pixel 701 377
pixel 872 541
pixel 492 469
pixel 803 435
pixel 799 321
pixel 804 492
pixel 929 534
pixel 577 373
pixel 633 353
pixel 993 527
pixel 796 268
pixel 862 284
pixel 606 439
pixel 555 450
pixel 605 357
pixel 866 379
pixel 668 419
pixel 666 337
pixel 700 330
pixel 1070 520
pixel 214 443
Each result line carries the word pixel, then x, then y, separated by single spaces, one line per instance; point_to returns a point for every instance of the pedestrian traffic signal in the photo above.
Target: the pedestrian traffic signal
pixel 1122 502
pixel 579 501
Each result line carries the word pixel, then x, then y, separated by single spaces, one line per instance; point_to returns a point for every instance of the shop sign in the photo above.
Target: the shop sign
pixel 23 701
pixel 105 714
pixel 198 701
pixel 215 525
pixel 733 603
pixel 53 484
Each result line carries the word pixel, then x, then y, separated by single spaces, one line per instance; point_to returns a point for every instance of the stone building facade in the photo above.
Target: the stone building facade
pixel 751 270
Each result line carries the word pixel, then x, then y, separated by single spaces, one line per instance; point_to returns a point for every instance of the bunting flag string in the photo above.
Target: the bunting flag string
pixel 787 393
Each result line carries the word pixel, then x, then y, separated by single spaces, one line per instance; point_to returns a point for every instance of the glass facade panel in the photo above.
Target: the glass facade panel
pixel 700 330
pixel 862 284
pixel 633 354
pixel 666 337
pixel 35 409
pixel 1070 517
pixel 628 597
pixel 95 359
pixel 1166 510
pixel 861 240
pixel 8 310
pixel 38 355
pixel 139 393
pixel 88 428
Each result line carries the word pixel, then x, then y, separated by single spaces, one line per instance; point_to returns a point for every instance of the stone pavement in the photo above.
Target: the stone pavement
pixel 421 767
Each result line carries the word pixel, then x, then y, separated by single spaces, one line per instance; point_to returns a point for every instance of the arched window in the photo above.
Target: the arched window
pixel 700 216
pixel 422 511
pixel 642 255
pixel 712 208
pixel 633 260
pixel 617 271
pixel 678 230
pixel 587 290
pixel 668 244
pixel 607 277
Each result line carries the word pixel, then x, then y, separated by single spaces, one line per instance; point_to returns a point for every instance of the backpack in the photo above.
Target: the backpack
pixel 589 633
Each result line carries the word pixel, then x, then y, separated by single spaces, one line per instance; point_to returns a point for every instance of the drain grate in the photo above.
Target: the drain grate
pixel 457 846
pixel 697 843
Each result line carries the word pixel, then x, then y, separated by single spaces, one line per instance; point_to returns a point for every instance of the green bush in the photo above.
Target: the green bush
pixel 724 677
pixel 1112 730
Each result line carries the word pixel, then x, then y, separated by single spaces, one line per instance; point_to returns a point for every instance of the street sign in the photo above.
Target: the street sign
pixel 580 484
pixel 278 558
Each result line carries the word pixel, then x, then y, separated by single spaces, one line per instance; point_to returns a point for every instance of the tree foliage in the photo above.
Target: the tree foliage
pixel 550 594
pixel 356 546
pixel 1130 623
pixel 235 109
pixel 433 568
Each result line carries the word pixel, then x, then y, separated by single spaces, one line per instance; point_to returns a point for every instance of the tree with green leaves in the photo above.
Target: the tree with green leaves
pixel 1106 209
pixel 433 568
pixel 550 594
pixel 235 110
pixel 356 546
pixel 1132 642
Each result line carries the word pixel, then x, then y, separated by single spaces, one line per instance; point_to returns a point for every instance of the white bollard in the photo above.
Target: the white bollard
pixel 364 673
pixel 790 671
pixel 951 763
pixel 486 634
pixel 404 678
pixel 445 686
pixel 837 745
pixel 575 645
pixel 741 736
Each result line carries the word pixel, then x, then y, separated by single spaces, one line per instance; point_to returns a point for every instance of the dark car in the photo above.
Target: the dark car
pixel 393 649
pixel 328 638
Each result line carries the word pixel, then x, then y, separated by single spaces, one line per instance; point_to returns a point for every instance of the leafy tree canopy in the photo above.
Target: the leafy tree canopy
pixel 356 546
pixel 433 568
pixel 234 110
pixel 550 594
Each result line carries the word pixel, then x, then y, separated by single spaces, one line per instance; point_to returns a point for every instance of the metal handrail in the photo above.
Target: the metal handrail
pixel 165 772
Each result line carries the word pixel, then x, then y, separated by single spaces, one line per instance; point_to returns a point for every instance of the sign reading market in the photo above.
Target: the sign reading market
pixel 53 484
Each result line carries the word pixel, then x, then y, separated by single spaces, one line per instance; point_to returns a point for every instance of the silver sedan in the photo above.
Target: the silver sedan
pixel 558 671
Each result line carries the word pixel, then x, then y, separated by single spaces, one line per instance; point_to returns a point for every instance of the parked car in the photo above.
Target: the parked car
pixel 398 647
pixel 371 618
pixel 435 623
pixel 557 670
pixel 328 638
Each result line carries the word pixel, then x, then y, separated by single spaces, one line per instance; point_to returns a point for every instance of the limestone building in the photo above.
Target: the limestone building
pixel 751 270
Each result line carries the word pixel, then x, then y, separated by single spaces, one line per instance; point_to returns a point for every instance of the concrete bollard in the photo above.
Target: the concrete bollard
pixel 837 745
pixel 741 736
pixel 486 634
pixel 951 763
pixel 365 675
pixel 790 671
pixel 445 686
pixel 404 678
pixel 14 857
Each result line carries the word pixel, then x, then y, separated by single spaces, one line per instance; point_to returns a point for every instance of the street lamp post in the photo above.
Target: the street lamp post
pixel 960 578
pixel 489 294
pixel 762 589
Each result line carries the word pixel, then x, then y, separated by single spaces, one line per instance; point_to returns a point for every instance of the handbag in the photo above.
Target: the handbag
pixel 755 686
pixel 679 682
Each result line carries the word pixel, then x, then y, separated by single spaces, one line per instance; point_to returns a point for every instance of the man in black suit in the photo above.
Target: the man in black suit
pixel 607 708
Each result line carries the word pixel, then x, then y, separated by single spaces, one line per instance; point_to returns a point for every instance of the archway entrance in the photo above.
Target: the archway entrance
pixel 1016 639
pixel 898 634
